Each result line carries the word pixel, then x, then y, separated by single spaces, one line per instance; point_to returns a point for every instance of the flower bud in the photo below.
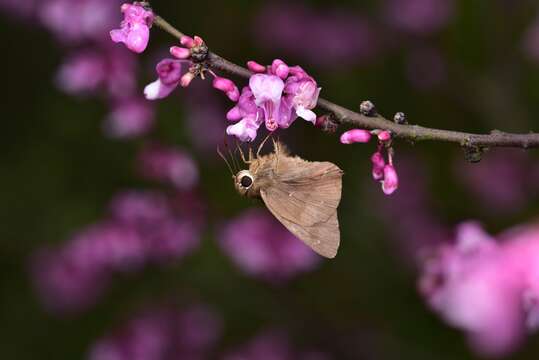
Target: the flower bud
pixel 356 136
pixel 391 180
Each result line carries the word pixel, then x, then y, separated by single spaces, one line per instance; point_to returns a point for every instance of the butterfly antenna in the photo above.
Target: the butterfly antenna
pixel 233 161
pixel 262 143
pixel 238 147
pixel 226 161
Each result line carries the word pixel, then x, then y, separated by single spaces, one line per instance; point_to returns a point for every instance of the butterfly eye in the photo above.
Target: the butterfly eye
pixel 246 181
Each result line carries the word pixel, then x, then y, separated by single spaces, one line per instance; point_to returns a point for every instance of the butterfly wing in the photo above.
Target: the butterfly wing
pixel 304 197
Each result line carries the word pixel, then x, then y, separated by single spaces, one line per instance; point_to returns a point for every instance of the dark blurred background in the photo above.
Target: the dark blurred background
pixel 463 65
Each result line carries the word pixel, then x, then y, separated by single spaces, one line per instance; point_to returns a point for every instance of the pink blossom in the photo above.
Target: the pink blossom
pixel 134 30
pixel 267 91
pixel 356 136
pixel 304 96
pixel 169 165
pixel 170 73
pixel 249 114
pixel 262 247
pixel 129 118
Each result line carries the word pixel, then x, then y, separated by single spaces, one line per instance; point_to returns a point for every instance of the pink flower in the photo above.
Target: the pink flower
pixel 267 91
pixel 304 95
pixel 134 30
pixel 356 136
pixel 249 114
pixel 170 73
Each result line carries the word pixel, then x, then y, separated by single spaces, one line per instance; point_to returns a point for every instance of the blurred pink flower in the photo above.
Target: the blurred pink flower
pixel 143 227
pixel 79 20
pixel 134 30
pixel 129 118
pixel 333 35
pixel 262 247
pixel 419 16
pixel 169 165
pixel 93 70
pixel 485 287
pixel 162 333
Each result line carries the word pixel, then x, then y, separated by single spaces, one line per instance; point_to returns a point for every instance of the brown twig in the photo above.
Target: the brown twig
pixel 404 131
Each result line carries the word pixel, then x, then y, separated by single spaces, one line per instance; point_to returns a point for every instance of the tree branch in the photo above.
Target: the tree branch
pixel 345 116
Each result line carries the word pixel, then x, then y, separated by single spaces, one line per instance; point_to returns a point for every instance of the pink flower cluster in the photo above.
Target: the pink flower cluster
pixel 170 74
pixel 487 287
pixel 163 332
pixel 277 95
pixel 143 227
pixel 263 248
pixel 382 171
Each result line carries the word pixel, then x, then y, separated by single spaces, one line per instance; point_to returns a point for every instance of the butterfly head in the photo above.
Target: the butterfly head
pixel 244 181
